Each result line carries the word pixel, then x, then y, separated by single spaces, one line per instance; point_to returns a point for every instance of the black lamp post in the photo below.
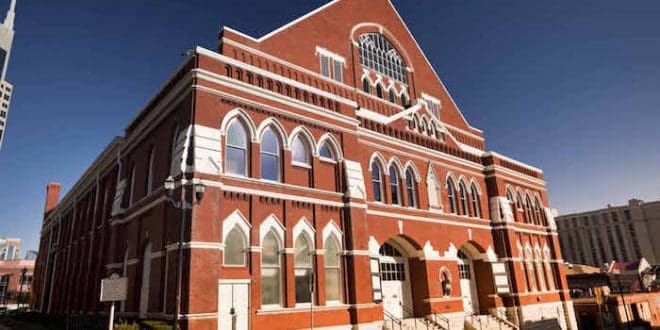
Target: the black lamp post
pixel 20 291
pixel 183 205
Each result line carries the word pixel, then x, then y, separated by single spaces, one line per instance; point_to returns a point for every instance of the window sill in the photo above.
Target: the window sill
pixel 328 160
pixel 302 165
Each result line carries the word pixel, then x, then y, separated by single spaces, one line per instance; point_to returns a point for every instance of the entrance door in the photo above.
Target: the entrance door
pixel 233 306
pixel 468 284
pixel 395 282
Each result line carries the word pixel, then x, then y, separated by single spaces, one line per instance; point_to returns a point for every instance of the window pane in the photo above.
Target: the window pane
pixel 270 143
pixel 338 72
pixel 331 252
pixel 325 68
pixel 332 286
pixel 303 252
pixel 236 135
pixel 302 285
pixel 270 250
pixel 325 152
pixel 270 286
pixel 300 152
pixel 270 167
pixel 235 161
pixel 394 185
pixel 234 252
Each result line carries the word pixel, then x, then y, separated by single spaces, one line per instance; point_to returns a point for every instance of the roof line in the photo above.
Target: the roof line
pixel 297 20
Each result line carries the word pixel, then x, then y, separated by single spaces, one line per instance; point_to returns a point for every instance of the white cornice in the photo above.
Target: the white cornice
pixel 517 162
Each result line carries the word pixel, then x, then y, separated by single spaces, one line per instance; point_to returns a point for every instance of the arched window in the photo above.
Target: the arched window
pixel 150 171
pixel 236 151
pixel 146 276
pixel 300 151
pixel 411 188
pixel 235 248
pixel 175 136
pixel 270 156
pixel 433 190
pixel 332 267
pixel 379 91
pixel 530 269
pixel 528 210
pixel 326 152
pixel 432 129
pixel 270 270
pixel 415 123
pixel 404 101
pixel 131 192
pixel 392 96
pixel 521 255
pixel 303 269
pixel 424 125
pixel 552 284
pixel 476 201
pixel 451 194
pixel 366 86
pixel 394 186
pixel 377 181
pixel 377 53
pixel 540 270
pixel 464 199
pixel 537 212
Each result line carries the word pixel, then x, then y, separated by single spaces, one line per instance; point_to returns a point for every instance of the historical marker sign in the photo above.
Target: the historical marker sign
pixel 114 288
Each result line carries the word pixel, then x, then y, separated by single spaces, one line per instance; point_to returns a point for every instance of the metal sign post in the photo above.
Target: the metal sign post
pixel 113 288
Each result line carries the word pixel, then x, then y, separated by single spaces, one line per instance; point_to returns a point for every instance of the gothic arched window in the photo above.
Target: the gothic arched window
pixel 377 53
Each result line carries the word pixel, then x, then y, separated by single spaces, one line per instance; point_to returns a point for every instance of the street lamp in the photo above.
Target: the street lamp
pixel 20 291
pixel 183 205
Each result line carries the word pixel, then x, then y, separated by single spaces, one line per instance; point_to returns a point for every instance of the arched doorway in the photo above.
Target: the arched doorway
pixel 468 281
pixel 395 280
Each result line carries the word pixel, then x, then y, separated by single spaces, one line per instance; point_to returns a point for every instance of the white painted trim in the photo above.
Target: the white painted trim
pixel 509 159
pixel 426 219
pixel 333 56
pixel 304 227
pixel 274 224
pixel 296 21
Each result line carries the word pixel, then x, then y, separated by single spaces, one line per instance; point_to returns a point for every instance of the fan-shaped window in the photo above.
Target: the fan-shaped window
pixel 303 269
pixel 388 250
pixel 237 149
pixel 235 248
pixel 270 156
pixel 270 270
pixel 394 186
pixel 300 151
pixel 464 199
pixel 377 181
pixel 332 265
pixel 476 202
pixel 451 194
pixel 377 53
pixel 411 188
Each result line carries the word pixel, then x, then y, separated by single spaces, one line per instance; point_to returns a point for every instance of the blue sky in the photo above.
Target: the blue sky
pixel 568 86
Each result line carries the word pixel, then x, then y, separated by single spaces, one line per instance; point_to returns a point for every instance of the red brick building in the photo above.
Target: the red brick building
pixel 331 153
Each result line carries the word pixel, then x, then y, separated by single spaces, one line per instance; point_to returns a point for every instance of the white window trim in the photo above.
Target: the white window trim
pixel 236 220
pixel 334 56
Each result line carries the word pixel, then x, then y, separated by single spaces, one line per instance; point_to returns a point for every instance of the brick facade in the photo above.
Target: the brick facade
pixel 330 138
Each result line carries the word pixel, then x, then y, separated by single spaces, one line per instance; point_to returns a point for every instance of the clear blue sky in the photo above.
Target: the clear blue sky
pixel 572 87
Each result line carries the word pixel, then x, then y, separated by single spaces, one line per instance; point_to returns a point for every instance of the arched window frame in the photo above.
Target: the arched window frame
pixel 236 223
pixel 235 147
pixel 304 231
pixel 150 170
pixel 392 96
pixel 271 132
pixel 377 181
pixel 540 269
pixel 302 137
pixel 537 212
pixel 332 231
pixel 531 273
pixel 552 282
pixel 272 226
pixel 395 185
pixel 378 53
pixel 366 85
pixel 451 195
pixel 476 200
pixel 379 92
pixel 528 209
pixel 411 188
pixel 463 196
pixel 523 267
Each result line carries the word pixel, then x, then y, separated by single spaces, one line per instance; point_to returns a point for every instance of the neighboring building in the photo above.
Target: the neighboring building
pixel 622 293
pixel 6 40
pixel 11 278
pixel 333 158
pixel 10 248
pixel 614 233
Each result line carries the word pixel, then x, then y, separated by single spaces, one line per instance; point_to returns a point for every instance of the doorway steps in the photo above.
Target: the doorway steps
pixel 486 322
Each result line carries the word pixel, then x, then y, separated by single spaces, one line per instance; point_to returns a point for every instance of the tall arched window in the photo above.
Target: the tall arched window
pixel 451 194
pixel 379 91
pixel 150 172
pixel 528 210
pixel 394 186
pixel 332 267
pixel 270 156
pixel 175 136
pixel 377 181
pixel 540 270
pixel 300 151
pixel 377 53
pixel 270 270
pixel 411 188
pixel 236 151
pixel 146 276
pixel 131 192
pixel 366 86
pixel 537 212
pixel 523 267
pixel 476 201
pixel 303 269
pixel 530 269
pixel 465 208
pixel 326 152
pixel 552 284
pixel 235 248
pixel 392 96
